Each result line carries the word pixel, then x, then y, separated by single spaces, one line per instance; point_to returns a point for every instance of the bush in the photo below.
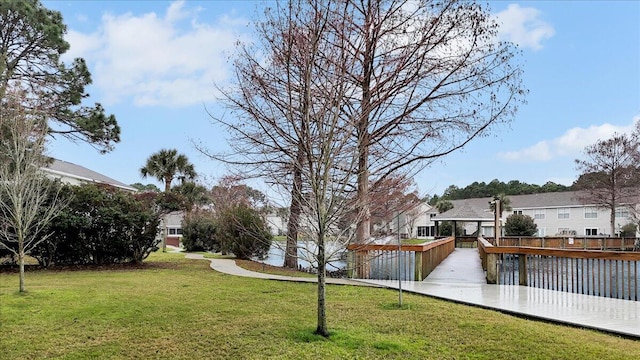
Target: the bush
pixel 244 232
pixel 520 225
pixel 101 225
pixel 446 229
pixel 629 230
pixel 199 232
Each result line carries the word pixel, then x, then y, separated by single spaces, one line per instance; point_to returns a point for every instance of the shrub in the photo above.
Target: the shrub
pixel 520 225
pixel 199 232
pixel 244 232
pixel 629 230
pixel 446 229
pixel 101 225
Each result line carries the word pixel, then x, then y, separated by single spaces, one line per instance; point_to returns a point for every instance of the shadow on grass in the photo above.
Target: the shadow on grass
pixel 395 306
pixel 348 341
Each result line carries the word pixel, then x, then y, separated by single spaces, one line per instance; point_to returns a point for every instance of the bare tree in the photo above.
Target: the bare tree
pixel 271 103
pixel 29 200
pixel 387 197
pixel 610 173
pixel 407 81
pixel 429 77
pixel 290 126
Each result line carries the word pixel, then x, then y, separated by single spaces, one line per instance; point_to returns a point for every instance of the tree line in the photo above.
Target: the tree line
pixel 495 187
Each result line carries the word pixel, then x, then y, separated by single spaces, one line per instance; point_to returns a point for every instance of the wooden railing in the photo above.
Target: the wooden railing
pixel 613 274
pixel 563 242
pixel 382 261
pixel 466 241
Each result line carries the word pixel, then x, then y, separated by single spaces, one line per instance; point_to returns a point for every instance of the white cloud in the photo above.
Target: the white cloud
pixel 523 26
pixel 540 151
pixel 171 60
pixel 571 143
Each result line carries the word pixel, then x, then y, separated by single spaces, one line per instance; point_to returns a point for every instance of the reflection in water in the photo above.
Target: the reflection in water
pixel 306 255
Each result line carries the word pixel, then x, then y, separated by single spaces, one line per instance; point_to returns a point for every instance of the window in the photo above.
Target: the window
pixel 517 212
pixel 590 213
pixel 565 231
pixel 591 231
pixel 539 213
pixel 174 231
pixel 622 212
pixel 563 213
pixel 422 231
pixel 541 232
pixel 487 231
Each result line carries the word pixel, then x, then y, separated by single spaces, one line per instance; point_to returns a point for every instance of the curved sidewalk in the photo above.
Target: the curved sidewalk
pixel 456 279
pixel 228 266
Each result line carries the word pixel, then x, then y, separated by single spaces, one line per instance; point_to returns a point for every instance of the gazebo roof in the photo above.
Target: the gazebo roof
pixel 465 212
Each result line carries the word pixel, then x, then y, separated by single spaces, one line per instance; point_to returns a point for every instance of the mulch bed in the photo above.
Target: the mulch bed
pixel 10 269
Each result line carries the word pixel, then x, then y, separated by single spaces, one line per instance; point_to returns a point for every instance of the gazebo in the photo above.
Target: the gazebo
pixel 466 213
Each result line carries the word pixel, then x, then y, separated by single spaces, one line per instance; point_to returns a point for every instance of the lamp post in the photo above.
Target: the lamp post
pixel 399 262
pixel 497 211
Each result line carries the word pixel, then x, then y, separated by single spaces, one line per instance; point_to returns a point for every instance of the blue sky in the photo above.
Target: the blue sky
pixel 154 65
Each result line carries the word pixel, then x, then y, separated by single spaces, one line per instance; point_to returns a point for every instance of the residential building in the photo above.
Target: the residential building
pixel 558 213
pixel 172 226
pixel 74 174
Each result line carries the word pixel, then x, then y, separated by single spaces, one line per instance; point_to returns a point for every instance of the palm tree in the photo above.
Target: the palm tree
pixel 193 194
pixel 505 203
pixel 165 165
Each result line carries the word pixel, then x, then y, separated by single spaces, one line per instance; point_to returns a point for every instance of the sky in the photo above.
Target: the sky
pixel 155 66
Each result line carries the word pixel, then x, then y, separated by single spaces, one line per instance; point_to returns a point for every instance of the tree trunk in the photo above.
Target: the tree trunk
pixel 167 183
pixel 163 233
pixel 21 265
pixel 612 220
pixel 363 226
pixel 321 329
pixel 291 250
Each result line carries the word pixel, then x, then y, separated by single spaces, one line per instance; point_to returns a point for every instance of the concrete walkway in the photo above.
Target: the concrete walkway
pixel 228 266
pixel 460 278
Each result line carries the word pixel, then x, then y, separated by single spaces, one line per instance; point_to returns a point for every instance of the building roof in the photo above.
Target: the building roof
pixel 478 209
pixel 467 211
pixel 532 201
pixel 62 168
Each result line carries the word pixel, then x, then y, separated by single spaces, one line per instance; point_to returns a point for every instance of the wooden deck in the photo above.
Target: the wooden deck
pixel 460 278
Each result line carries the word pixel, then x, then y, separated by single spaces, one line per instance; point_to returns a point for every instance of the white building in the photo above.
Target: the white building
pixel 277 223
pixel 558 213
pixel 414 223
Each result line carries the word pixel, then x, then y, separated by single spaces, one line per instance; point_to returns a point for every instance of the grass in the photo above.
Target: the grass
pixel 413 241
pixel 176 308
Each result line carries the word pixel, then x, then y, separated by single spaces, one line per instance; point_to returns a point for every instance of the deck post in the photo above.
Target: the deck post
pixel 351 264
pixel 522 269
pixel 492 271
pixel 418 266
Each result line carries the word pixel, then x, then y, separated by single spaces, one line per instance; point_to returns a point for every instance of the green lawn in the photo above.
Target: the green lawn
pixel 413 241
pixel 176 308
